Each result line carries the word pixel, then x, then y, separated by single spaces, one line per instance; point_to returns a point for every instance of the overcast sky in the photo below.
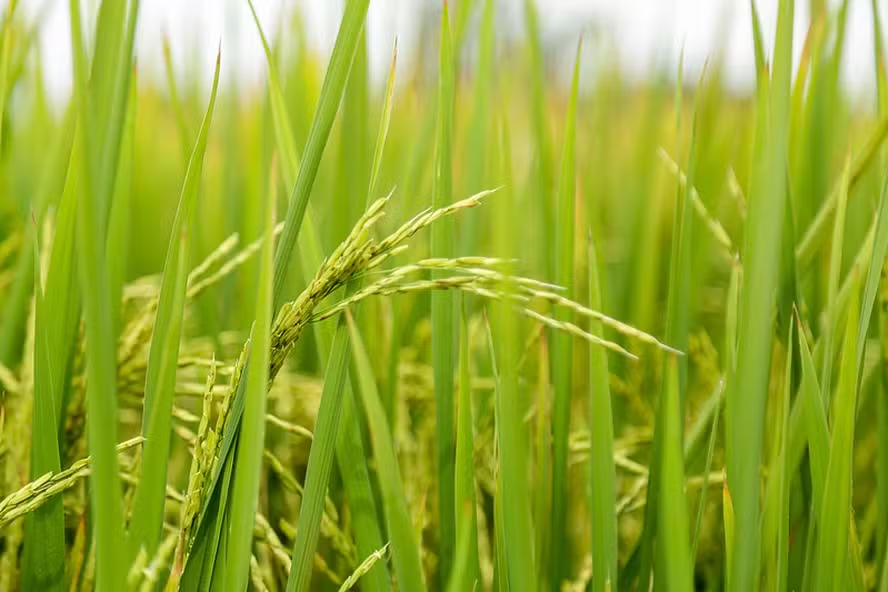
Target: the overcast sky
pixel 645 32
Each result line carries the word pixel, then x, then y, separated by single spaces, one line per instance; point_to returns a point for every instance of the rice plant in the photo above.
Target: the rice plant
pixel 474 326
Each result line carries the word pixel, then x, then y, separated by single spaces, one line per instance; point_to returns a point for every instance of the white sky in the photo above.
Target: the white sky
pixel 645 32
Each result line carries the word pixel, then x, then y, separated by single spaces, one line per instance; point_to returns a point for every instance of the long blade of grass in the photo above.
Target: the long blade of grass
pixel 163 357
pixel 463 560
pixel 874 273
pixel 479 134
pixel 354 145
pixel 815 419
pixel 405 549
pixel 813 408
pixel 442 238
pixel 761 66
pixel 514 545
pixel 349 448
pixel 834 526
pixel 119 222
pixel 350 452
pixel 673 529
pixel 516 561
pixel 318 471
pixel 106 105
pixel 835 268
pixel 677 322
pixel 729 357
pixel 881 530
pixel 562 343
pixel 344 50
pixel 746 397
pixel 57 305
pixel 464 485
pixel 320 463
pixel 6 41
pixel 542 143
pixel 181 122
pixel 12 326
pixel 775 526
pixel 316 479
pixel 101 107
pixel 816 233
pixel 248 460
pixel 602 505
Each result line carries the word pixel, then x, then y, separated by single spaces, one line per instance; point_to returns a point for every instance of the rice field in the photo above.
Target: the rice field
pixel 471 327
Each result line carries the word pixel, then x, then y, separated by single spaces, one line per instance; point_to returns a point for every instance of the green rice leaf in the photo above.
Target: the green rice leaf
pixel 163 357
pixel 331 94
pixel 746 397
pixel 816 233
pixel 102 106
pixel 673 528
pixel 562 343
pixel 349 447
pixel 464 486
pixel 602 505
pixel 119 223
pixel 248 459
pixel 344 50
pixel 835 268
pixel 677 323
pixel 514 544
pixel 543 181
pixel 776 513
pixel 56 319
pixel 832 566
pixel 6 41
pixel 320 463
pixel 442 236
pixel 181 122
pixel 874 274
pixel 758 43
pixel 405 549
pixel 478 138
